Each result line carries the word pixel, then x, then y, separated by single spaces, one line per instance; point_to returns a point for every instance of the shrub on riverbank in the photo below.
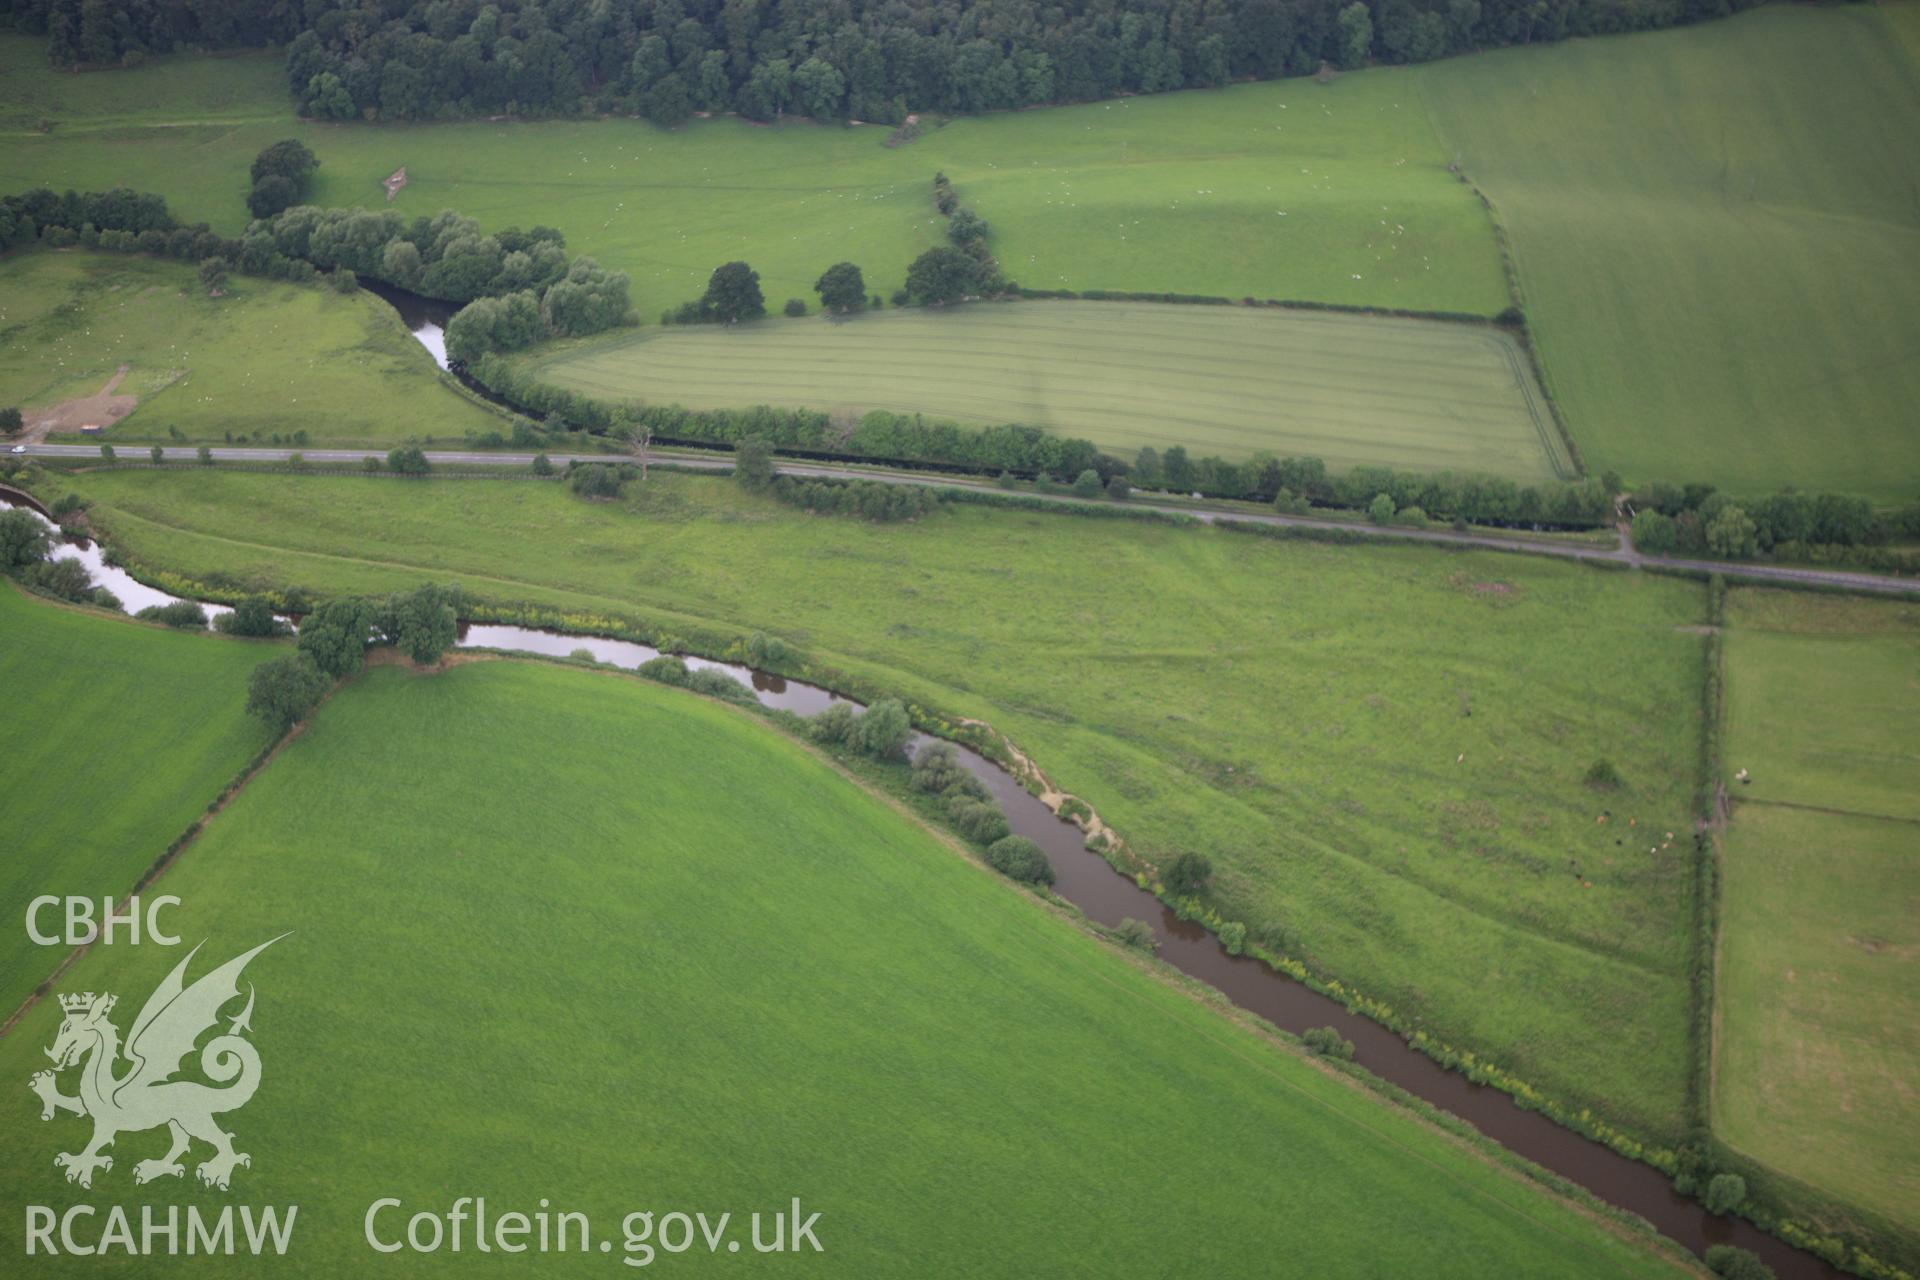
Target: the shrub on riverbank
pixel 188 615
pixel 252 616
pixel 1328 1043
pixel 936 767
pixel 1188 873
pixel 718 684
pixel 1019 858
pixel 68 579
pixel 1730 1262
pixel 978 820
pixel 666 670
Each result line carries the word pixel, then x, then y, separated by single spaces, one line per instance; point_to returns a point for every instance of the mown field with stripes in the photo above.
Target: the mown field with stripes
pixel 1230 381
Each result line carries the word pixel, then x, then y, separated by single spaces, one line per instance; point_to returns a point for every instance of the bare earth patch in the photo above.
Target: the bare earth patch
pixel 101 409
pixel 1493 590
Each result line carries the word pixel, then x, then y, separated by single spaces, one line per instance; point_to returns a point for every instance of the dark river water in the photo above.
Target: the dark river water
pixel 1085 879
pixel 426 318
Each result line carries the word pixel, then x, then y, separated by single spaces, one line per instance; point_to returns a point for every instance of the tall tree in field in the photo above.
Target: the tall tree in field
pixel 733 293
pixel 280 176
pixel 841 288
pixel 213 274
pixel 289 158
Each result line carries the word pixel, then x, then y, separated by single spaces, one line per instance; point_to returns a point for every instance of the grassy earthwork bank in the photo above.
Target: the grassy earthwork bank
pixel 1383 749
pixel 116 735
pixel 264 360
pixel 1819 1024
pixel 717 975
pixel 1716 238
pixel 1334 193
pixel 1224 381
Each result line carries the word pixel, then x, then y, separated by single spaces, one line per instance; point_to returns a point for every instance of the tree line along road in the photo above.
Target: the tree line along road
pixel 1622 554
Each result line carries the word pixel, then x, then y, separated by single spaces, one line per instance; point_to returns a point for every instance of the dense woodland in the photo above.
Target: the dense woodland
pixel 831 59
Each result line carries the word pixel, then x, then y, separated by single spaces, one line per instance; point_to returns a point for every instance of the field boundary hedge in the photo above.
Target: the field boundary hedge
pixel 1215 300
pixel 1523 331
pixel 1702 956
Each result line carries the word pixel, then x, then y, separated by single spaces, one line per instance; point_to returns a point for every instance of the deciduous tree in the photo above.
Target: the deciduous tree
pixel 336 635
pixel 1019 858
pixel 424 622
pixel 882 732
pixel 213 276
pixel 841 288
pixel 733 293
pixel 942 274
pixel 1187 873
pixel 283 691
pixel 23 538
pixel 753 463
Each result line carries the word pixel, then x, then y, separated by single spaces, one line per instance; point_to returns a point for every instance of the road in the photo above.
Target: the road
pixel 1621 554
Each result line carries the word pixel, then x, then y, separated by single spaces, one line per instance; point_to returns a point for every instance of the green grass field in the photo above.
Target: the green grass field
pixel 1721 278
pixel 115 735
pixel 1218 380
pixel 266 359
pixel 1334 193
pixel 1383 746
pixel 235 88
pixel 1820 946
pixel 739 981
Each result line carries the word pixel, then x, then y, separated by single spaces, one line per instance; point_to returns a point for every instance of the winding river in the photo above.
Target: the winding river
pixel 1085 879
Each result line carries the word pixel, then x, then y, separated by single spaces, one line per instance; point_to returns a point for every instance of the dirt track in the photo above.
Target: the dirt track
pixel 101 409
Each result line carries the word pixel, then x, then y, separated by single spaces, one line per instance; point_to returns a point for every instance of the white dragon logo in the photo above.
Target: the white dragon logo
pixel 146 1096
